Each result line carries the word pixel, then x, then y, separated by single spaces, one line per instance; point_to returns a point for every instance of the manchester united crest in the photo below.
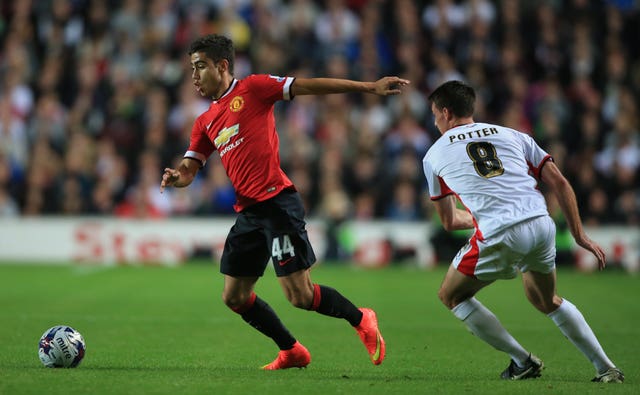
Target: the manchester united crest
pixel 236 104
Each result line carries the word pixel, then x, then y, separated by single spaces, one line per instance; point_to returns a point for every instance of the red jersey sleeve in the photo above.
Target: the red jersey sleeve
pixel 200 146
pixel 271 88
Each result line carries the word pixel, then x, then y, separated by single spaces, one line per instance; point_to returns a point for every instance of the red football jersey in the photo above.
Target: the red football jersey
pixel 241 127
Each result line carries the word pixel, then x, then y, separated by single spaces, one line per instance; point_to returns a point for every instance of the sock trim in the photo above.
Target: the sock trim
pixel 246 305
pixel 558 316
pixel 464 309
pixel 317 297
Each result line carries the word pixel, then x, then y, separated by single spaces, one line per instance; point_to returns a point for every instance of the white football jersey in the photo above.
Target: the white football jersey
pixel 492 169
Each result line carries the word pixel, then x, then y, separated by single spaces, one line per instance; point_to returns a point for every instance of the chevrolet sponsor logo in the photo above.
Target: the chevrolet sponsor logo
pixel 224 136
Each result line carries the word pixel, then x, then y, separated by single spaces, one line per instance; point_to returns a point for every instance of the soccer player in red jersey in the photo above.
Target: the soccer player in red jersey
pixel 240 125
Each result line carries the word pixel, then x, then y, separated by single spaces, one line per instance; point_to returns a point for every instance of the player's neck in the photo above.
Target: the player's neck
pixel 224 87
pixel 461 122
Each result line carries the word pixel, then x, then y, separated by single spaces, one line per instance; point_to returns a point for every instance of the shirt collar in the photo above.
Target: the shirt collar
pixel 229 89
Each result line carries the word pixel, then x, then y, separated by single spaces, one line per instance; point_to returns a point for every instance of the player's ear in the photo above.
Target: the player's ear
pixel 222 65
pixel 446 113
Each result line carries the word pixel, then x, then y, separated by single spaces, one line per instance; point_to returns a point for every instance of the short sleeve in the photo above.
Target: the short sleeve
pixel 200 146
pixel 535 156
pixel 437 187
pixel 271 88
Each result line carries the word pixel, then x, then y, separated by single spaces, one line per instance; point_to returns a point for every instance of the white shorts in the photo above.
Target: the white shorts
pixel 528 245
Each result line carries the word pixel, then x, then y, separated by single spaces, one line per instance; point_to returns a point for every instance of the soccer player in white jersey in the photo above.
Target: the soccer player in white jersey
pixel 493 171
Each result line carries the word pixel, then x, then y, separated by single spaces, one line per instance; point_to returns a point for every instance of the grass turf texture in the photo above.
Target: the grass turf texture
pixel 165 331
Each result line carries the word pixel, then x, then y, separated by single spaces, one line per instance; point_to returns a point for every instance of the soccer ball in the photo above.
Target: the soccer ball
pixel 61 347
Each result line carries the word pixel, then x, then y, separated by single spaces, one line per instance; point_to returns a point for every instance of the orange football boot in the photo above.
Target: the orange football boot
pixel 371 336
pixel 296 357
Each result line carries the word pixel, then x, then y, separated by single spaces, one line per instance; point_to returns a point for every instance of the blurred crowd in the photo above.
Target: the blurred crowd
pixel 96 99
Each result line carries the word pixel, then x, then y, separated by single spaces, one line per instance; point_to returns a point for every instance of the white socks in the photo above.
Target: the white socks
pixel 573 325
pixel 484 324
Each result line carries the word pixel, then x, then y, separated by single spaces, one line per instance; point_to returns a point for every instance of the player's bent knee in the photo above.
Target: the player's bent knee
pixel 446 298
pixel 300 301
pixel 229 301
pixel 452 299
pixel 300 298
pixel 548 306
pixel 544 307
pixel 300 304
pixel 234 301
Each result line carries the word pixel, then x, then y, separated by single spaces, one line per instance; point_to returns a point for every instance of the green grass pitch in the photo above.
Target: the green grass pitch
pixel 157 330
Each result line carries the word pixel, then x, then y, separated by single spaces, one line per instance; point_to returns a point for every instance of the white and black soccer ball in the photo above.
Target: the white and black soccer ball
pixel 61 347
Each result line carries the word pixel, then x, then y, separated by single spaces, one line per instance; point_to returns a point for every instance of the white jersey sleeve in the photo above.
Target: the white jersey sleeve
pixel 534 155
pixel 493 170
pixel 436 186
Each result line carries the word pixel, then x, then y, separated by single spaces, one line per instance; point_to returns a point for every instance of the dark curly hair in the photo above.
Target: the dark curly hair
pixel 216 47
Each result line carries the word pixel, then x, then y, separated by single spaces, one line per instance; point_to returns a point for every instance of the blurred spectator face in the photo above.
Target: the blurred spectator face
pixel 72 201
pixel 616 65
pixel 598 206
pixel 365 168
pixel 627 207
pixel 589 128
pixel 364 206
pixel 102 199
pixel 511 55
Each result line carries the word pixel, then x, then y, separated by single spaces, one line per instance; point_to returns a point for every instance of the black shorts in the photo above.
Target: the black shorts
pixel 274 228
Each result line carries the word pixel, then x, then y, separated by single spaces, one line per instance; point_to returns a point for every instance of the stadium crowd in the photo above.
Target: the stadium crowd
pixel 96 98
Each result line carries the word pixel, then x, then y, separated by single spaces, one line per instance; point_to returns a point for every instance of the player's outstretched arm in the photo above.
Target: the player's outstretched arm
pixel 563 191
pixel 322 86
pixel 180 177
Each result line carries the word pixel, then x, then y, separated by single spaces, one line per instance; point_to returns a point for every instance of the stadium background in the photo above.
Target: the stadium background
pixel 96 100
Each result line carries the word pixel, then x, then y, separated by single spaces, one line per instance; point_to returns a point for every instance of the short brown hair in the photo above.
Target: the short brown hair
pixel 216 47
pixel 456 96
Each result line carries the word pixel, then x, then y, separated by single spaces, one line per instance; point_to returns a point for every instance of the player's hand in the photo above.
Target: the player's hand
pixel 169 178
pixel 389 86
pixel 595 249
